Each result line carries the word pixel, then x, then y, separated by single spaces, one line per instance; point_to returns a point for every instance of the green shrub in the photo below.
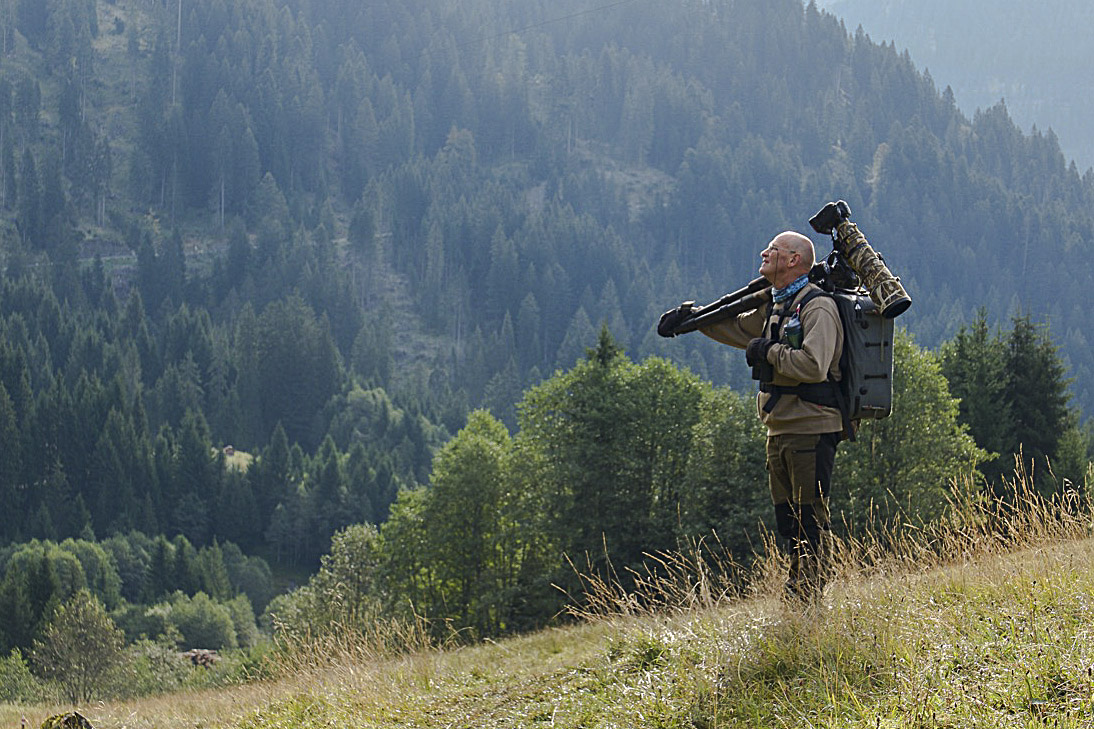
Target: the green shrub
pixel 154 666
pixel 140 621
pixel 202 622
pixel 17 683
pixel 243 619
pixel 79 648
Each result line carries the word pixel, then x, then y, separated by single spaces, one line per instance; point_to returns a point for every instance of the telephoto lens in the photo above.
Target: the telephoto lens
pixel 885 289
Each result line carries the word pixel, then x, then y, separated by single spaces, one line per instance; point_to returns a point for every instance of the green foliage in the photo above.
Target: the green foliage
pixel 17 683
pixel 298 366
pixel 202 622
pixel 724 490
pixel 465 565
pixel 243 621
pixel 1036 389
pixel 38 577
pixel 79 648
pixel 1014 400
pixel 976 374
pixel 249 575
pixel 99 569
pixel 404 560
pixel 607 443
pixel 153 666
pixel 344 593
pixel 907 465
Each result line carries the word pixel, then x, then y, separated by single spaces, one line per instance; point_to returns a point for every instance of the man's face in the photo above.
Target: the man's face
pixel 774 260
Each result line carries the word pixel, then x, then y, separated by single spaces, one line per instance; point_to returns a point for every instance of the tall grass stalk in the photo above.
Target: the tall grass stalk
pixel 353 642
pixel 975 525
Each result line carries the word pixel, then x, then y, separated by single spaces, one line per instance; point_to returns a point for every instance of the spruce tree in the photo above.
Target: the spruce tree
pixel 975 369
pixel 1036 391
pixel 1013 393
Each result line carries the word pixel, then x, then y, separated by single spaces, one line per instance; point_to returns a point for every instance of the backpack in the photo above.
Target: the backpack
pixel 866 362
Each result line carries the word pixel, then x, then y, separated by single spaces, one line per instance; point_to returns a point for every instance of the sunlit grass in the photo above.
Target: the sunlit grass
pixel 984 620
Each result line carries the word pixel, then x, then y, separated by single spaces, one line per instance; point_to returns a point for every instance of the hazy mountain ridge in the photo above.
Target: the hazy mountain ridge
pixel 1034 56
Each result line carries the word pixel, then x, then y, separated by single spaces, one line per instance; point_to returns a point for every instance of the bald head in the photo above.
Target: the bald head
pixel 800 244
pixel 788 256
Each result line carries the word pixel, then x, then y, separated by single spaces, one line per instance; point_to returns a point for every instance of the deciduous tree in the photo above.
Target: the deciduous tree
pixel 906 464
pixel 79 648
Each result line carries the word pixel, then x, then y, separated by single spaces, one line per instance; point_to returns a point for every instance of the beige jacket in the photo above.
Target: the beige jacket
pixel 818 357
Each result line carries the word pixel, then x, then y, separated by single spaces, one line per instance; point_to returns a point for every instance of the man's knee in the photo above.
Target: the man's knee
pixel 799 521
pixel 786 521
pixel 809 520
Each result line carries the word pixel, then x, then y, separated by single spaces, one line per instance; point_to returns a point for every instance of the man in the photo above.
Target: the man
pixel 793 344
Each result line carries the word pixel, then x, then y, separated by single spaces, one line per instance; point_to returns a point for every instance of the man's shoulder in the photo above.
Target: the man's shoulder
pixel 812 294
pixel 815 300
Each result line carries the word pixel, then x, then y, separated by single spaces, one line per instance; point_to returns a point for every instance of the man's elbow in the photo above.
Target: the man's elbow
pixel 810 370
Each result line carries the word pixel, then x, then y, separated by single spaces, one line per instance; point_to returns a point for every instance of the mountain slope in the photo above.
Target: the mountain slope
pixel 1034 56
pixel 361 220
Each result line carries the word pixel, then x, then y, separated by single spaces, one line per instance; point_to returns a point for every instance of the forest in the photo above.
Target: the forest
pixel 291 287
pixel 986 57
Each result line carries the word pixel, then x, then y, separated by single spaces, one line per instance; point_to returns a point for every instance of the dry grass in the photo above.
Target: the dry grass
pixel 975 528
pixel 983 620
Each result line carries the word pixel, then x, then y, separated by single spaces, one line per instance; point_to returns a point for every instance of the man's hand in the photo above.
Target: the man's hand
pixel 756 352
pixel 673 318
pixel 830 216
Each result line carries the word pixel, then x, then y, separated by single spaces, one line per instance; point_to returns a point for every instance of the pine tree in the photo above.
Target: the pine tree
pixel 30 202
pixel 329 491
pixel 606 443
pixel 976 373
pixel 17 614
pixel 1036 391
pixel 1013 394
pixel 214 575
pixel 11 495
pixel 161 569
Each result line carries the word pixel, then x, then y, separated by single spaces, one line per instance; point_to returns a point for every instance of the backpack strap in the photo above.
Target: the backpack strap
pixel 829 393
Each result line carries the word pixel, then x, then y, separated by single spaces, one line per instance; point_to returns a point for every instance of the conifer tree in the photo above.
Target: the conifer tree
pixel 11 495
pixel 30 201
pixel 1036 391
pixel 1013 392
pixel 17 614
pixel 610 440
pixel 976 373
pixel 161 570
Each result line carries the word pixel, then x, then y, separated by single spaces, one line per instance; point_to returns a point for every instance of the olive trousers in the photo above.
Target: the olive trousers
pixel 799 469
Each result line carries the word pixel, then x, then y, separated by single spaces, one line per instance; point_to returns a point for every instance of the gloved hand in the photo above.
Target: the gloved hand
pixel 830 216
pixel 756 352
pixel 673 318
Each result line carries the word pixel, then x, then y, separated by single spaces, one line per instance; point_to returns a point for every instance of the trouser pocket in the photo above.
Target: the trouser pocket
pixel 800 471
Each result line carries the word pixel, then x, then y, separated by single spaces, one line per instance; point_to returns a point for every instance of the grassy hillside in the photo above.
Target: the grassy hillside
pixel 983 622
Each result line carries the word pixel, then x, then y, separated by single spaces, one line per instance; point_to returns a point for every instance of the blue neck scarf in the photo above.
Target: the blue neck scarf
pixel 787 292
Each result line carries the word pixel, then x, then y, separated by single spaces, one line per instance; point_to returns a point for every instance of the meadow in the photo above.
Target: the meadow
pixel 983 619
